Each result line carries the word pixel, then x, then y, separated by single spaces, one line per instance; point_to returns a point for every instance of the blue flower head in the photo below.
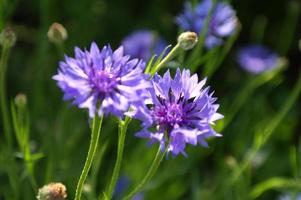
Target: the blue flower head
pixel 180 111
pixel 256 59
pixel 103 81
pixel 143 44
pixel 222 24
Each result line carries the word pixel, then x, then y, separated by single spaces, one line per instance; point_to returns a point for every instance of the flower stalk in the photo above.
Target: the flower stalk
pixel 150 173
pixel 3 100
pixel 167 58
pixel 7 40
pixel 262 138
pixel 20 118
pixel 250 87
pixel 57 34
pixel 122 128
pixel 96 127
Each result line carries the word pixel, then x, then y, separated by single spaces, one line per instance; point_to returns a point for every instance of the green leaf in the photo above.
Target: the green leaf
pixel 274 183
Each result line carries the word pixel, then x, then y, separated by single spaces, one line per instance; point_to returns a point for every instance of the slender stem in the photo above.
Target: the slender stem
pixel 97 122
pixel 4 106
pixel 60 48
pixel 152 170
pixel 248 90
pixel 29 168
pixel 258 29
pixel 258 144
pixel 12 169
pixel 212 67
pixel 167 58
pixel 281 114
pixel 20 124
pixel 198 50
pixel 122 128
pixel 96 165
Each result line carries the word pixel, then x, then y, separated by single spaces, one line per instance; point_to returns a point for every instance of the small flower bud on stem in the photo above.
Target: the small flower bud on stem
pixel 57 33
pixel 187 40
pixel 8 38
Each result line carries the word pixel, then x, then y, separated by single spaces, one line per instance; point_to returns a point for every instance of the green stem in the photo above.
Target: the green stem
pixel 12 169
pixel 4 106
pixel 20 124
pixel 193 59
pixel 167 58
pixel 29 163
pixel 152 170
pixel 258 29
pixel 96 166
pixel 122 128
pixel 29 168
pixel 216 62
pixel 60 48
pixel 258 144
pixel 249 88
pixel 96 127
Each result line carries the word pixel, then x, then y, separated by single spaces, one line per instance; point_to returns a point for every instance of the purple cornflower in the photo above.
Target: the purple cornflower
pixel 257 58
pixel 180 110
pixel 143 44
pixel 102 81
pixel 222 24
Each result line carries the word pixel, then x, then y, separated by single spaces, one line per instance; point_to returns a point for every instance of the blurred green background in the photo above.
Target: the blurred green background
pixel 61 131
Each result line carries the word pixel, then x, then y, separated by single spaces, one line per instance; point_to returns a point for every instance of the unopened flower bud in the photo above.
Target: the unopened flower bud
pixel 8 37
pixel 52 191
pixel 187 40
pixel 57 33
pixel 21 100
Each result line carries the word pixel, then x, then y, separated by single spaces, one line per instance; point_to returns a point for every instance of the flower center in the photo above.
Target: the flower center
pixel 104 81
pixel 169 114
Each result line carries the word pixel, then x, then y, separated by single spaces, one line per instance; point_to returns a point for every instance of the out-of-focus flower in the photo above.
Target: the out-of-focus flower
pixel 121 186
pixel 187 40
pixel 57 33
pixel 257 59
pixel 103 81
pixel 8 37
pixel 52 191
pixel 222 24
pixel 181 111
pixel 289 197
pixel 143 44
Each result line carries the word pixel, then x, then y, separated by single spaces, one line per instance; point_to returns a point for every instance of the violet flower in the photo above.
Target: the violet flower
pixel 180 111
pixel 257 59
pixel 143 44
pixel 103 81
pixel 222 24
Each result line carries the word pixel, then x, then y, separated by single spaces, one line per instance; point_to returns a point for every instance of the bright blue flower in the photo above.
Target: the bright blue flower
pixel 180 110
pixel 102 81
pixel 257 59
pixel 143 44
pixel 222 24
